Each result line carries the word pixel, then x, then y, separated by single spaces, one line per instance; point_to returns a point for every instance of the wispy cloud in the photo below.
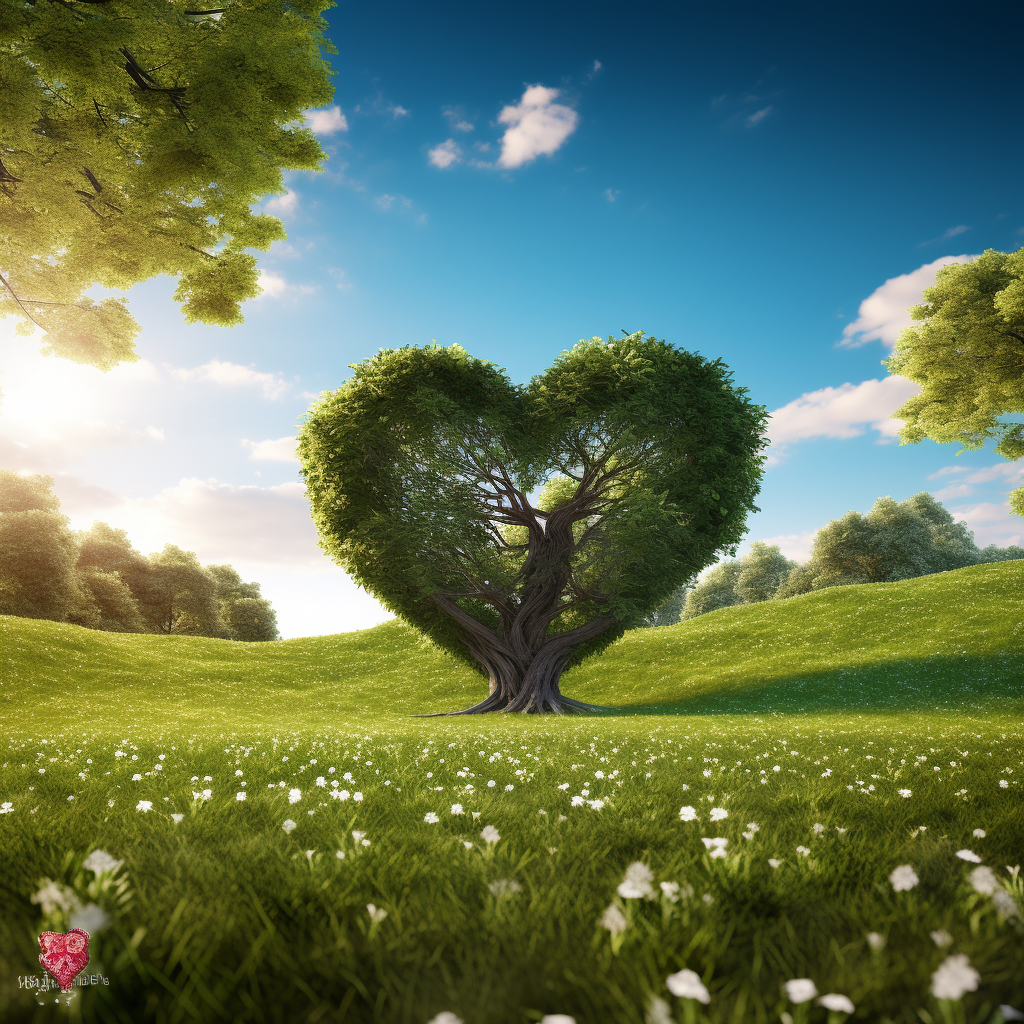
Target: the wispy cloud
pixel 385 107
pixel 233 375
pixel 612 194
pixel 595 68
pixel 945 236
pixel 274 286
pixel 446 154
pixel 387 202
pixel 843 412
pixel 327 121
pixel 537 126
pixel 457 121
pixel 758 116
pixel 884 314
pixel 281 449
pixel 282 205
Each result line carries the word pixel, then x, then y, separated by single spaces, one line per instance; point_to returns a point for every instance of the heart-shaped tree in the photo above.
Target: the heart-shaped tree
pixel 523 528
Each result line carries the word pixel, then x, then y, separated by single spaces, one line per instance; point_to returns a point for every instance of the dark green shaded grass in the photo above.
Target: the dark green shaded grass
pixel 229 919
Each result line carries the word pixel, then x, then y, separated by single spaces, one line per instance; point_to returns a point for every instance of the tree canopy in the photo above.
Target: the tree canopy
pixel 98 580
pixel 968 355
pixel 526 527
pixel 134 137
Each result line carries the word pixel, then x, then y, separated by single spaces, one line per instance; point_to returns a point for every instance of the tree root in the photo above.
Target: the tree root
pixel 551 704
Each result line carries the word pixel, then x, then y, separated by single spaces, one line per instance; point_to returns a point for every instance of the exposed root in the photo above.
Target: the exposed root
pixel 524 704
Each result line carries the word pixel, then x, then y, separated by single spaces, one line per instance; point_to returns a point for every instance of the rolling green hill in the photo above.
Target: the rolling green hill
pixel 934 641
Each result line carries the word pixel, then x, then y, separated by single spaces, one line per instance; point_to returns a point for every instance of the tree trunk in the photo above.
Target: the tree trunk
pixel 523 677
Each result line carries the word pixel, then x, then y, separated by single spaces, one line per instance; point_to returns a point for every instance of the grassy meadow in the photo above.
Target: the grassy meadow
pixel 824 788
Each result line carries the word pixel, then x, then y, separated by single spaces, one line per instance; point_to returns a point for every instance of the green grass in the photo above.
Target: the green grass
pixel 854 693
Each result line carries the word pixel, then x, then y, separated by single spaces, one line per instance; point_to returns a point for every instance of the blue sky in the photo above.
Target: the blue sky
pixel 772 187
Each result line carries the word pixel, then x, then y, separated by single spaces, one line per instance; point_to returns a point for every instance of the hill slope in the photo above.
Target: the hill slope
pixel 941 640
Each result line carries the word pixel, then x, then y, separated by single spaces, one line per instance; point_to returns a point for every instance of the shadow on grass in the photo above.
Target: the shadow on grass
pixel 940 682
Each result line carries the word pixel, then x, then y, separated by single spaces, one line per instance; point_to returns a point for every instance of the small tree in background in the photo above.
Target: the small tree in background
pixel 37 551
pixel 187 594
pixel 108 551
pixel 716 590
pixel 968 355
pixel 762 571
pixel 110 606
pixel 246 614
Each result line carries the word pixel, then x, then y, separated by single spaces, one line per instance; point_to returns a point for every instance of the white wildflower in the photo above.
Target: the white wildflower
pixel 614 920
pixel 942 938
pixel 100 861
pixel 144 805
pixel 490 834
pixel 637 883
pixel 431 818
pixel 876 941
pixel 294 796
pixel 457 809
pixel 954 977
pixel 504 887
pixel 687 814
pixel 984 880
pixel 288 825
pixel 904 877
pixel 377 914
pixel 687 985
pixel 839 1003
pixel 968 855
pixel 800 990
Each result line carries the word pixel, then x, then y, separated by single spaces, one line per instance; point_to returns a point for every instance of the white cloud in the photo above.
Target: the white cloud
pixel 233 375
pixel 536 125
pixel 612 194
pixel 758 116
pixel 282 205
pixel 447 153
pixel 953 491
pixel 796 546
pixel 275 286
pixel 327 121
pixel 884 313
pixel 991 523
pixel 946 235
pixel 341 280
pixel 843 412
pixel 281 449
pixel 594 68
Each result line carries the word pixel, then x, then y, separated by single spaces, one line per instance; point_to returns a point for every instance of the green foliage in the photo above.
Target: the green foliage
pixel 245 614
pixel 716 590
pixel 968 355
pixel 37 551
pixel 401 465
pixel 762 571
pixel 106 550
pixel 667 613
pixel 893 541
pixel 187 594
pixel 135 138
pixel 994 554
pixel 109 605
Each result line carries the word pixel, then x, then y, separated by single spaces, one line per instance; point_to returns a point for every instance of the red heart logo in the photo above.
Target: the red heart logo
pixel 64 955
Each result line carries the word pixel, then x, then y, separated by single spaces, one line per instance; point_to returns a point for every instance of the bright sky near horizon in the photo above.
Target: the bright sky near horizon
pixel 770 186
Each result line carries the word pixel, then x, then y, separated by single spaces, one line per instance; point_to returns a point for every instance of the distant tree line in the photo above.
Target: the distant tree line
pixel 894 541
pixel 97 579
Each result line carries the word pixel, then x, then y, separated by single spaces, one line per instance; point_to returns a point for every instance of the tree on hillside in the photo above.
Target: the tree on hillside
pixel 894 541
pixel 415 468
pixel 716 590
pixel 246 614
pixel 37 551
pixel 762 571
pixel 968 355
pixel 135 135
pixel 994 554
pixel 103 549
pixel 187 594
pixel 109 604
